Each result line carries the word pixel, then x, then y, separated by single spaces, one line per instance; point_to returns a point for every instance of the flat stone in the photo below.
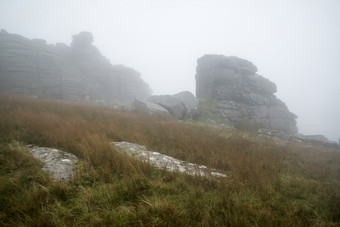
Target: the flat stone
pixel 166 162
pixel 58 164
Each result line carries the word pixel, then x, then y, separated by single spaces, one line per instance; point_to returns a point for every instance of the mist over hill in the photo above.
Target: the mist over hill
pixel 230 86
pixel 293 43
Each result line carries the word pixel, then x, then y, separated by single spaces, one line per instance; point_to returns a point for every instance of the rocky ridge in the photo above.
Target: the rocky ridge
pixel 228 88
pixel 78 72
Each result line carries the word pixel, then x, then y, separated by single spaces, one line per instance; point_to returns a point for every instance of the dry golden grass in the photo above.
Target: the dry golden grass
pixel 269 184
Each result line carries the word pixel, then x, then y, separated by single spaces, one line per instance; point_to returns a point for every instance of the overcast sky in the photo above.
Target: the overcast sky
pixel 294 43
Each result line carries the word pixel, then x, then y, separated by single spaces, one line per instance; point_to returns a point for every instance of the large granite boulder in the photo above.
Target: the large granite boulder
pixel 188 99
pixel 180 105
pixel 140 106
pixel 171 104
pixel 78 72
pixel 239 94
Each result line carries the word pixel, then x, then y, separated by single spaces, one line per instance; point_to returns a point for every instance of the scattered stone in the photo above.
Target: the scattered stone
pixel 162 161
pixel 320 140
pixel 58 164
pixel 286 136
pixel 239 94
pixel 298 137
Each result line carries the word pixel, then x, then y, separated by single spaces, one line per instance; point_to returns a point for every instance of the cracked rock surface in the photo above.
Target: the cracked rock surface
pixel 165 162
pixel 58 164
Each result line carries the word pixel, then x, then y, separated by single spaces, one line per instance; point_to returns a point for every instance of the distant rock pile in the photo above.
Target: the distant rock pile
pixel 298 137
pixel 230 88
pixel 78 72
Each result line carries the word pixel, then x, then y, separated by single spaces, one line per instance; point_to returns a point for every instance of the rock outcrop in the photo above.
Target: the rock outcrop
pixel 181 105
pixel 236 93
pixel 78 72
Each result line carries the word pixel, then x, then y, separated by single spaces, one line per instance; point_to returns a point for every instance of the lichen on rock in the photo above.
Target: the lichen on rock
pixel 165 162
pixel 58 164
pixel 240 94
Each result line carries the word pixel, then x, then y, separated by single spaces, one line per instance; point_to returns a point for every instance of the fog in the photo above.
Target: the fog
pixel 295 44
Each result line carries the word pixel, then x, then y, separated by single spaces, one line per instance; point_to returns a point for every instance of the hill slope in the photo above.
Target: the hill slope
pixel 271 183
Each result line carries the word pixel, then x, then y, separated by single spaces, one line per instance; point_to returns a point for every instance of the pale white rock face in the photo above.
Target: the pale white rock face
pixel 58 164
pixel 165 162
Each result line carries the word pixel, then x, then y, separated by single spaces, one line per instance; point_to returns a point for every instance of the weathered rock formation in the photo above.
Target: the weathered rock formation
pixel 181 105
pixel 77 72
pixel 236 93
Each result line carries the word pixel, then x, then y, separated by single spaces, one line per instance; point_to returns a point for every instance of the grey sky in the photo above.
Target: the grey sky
pixel 294 43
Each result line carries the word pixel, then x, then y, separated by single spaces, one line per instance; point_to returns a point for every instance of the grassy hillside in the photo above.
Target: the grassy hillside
pixel 270 183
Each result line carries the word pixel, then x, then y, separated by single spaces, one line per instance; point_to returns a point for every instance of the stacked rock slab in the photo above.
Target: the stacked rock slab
pixel 28 66
pixel 78 72
pixel 239 94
